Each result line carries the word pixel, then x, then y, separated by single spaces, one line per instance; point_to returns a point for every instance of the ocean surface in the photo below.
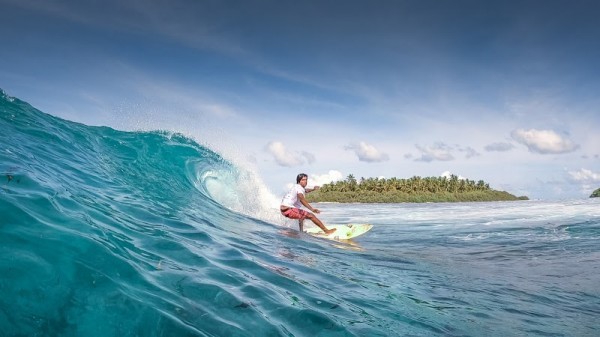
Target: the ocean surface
pixel 112 233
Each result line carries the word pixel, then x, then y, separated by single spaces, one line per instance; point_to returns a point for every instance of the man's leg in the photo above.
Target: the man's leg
pixel 301 224
pixel 318 222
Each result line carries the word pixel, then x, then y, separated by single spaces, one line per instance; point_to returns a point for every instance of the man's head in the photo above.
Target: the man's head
pixel 301 176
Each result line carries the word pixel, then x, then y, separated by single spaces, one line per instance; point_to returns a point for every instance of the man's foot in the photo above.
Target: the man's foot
pixel 329 231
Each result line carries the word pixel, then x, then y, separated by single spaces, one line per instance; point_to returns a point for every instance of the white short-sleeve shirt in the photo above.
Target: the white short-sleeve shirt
pixel 291 198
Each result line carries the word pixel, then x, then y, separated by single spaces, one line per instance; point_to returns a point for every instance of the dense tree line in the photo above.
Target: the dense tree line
pixel 595 194
pixel 415 189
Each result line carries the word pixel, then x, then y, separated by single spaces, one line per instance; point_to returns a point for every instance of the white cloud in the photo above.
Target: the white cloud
pixel 585 175
pixel 447 174
pixel 586 179
pixel 500 147
pixel 321 179
pixel 286 158
pixel 368 153
pixel 544 141
pixel 439 151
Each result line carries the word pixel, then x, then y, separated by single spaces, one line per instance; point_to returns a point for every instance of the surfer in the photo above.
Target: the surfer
pixel 293 201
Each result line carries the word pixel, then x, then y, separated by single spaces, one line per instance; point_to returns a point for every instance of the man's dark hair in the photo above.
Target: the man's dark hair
pixel 300 176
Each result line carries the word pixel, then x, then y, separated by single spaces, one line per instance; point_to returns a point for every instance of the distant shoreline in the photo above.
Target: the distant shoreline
pixel 383 197
pixel 412 190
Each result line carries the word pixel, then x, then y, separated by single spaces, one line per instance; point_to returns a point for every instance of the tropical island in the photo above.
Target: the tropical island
pixel 413 190
pixel 595 194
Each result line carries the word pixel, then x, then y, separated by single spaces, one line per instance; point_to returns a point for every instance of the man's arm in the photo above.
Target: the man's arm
pixel 306 204
pixel 308 190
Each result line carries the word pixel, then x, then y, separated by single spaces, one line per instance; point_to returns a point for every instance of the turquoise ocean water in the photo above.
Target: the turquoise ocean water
pixel 111 233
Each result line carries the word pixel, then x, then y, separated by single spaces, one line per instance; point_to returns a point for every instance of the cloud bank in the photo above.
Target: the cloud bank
pixel 321 179
pixel 448 174
pixel 544 141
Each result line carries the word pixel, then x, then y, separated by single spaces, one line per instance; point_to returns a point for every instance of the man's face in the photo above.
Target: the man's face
pixel 303 181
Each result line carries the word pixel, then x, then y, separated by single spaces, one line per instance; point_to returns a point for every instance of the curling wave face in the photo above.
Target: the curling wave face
pixel 112 233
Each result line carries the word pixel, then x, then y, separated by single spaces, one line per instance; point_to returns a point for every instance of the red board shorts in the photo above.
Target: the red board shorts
pixel 295 213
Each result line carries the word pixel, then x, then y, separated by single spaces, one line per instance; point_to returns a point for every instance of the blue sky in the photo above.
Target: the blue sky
pixel 503 91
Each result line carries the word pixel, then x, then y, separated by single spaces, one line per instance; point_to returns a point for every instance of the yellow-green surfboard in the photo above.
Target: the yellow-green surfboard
pixel 343 232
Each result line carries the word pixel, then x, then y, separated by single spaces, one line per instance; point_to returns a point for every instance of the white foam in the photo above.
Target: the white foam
pixel 242 191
